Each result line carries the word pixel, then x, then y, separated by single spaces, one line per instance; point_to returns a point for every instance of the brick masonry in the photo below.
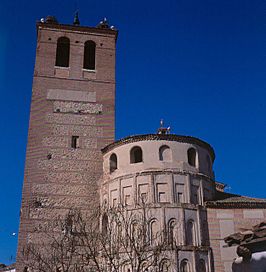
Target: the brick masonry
pixel 223 222
pixel 66 102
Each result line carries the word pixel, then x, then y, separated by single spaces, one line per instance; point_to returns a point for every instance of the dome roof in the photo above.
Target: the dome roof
pixel 160 137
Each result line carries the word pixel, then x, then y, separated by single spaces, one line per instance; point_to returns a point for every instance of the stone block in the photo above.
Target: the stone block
pixel 253 214
pixel 57 118
pixel 77 107
pixel 71 95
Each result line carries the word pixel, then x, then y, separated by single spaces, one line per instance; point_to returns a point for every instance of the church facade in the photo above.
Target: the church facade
pixel 73 161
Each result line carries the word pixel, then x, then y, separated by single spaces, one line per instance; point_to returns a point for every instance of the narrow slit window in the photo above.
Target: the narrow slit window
pixel 62 52
pixel 89 55
pixel 75 141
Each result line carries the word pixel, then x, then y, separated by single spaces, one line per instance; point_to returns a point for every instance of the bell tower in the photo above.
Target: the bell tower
pixel 72 118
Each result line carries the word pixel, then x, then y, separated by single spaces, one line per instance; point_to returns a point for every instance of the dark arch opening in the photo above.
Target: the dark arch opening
pixel 190 232
pixel 62 52
pixel 165 153
pixel 89 55
pixel 104 224
pixel 202 266
pixel 171 232
pixel 184 267
pixel 113 163
pixel 191 155
pixel 136 155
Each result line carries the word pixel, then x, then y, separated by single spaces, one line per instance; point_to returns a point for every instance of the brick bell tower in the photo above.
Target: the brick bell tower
pixel 71 118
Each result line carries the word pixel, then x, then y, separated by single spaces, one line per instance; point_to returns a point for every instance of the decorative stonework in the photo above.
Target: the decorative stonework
pixel 76 107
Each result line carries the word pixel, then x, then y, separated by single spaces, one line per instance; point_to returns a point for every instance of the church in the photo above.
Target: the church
pixel 73 160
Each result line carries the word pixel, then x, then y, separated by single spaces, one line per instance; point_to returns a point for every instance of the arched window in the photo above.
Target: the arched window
pixel 104 224
pixel 153 231
pixel 192 155
pixel 202 266
pixel 172 232
pixel 135 231
pixel 184 266
pixel 127 268
pixel 113 163
pixel 164 266
pixel 165 153
pixel 62 52
pixel 89 55
pixel 136 154
pixel 190 233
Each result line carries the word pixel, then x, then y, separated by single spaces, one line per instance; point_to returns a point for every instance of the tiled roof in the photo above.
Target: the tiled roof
pixel 160 137
pixel 256 234
pixel 227 200
pixel 7 268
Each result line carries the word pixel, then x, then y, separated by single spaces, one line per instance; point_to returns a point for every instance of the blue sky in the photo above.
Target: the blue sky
pixel 199 65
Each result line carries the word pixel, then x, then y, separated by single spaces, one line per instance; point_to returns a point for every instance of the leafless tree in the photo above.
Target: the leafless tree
pixel 110 240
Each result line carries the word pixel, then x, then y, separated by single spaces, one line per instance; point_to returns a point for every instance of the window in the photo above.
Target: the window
pixel 104 224
pixel 202 266
pixel 135 232
pixel 171 232
pixel 62 52
pixel 153 231
pixel 165 153
pixel 164 266
pixel 75 141
pixel 89 55
pixel 136 155
pixel 190 234
pixel 184 266
pixel 192 154
pixel 113 163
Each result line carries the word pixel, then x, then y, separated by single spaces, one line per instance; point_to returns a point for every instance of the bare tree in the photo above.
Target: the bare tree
pixel 111 239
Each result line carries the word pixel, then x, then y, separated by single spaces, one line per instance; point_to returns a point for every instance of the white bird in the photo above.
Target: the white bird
pixel 13 234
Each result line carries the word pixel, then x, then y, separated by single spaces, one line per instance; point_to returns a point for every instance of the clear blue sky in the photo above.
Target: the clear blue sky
pixel 199 65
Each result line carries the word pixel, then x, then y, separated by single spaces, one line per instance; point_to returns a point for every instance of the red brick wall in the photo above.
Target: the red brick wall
pixel 56 175
pixel 223 222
